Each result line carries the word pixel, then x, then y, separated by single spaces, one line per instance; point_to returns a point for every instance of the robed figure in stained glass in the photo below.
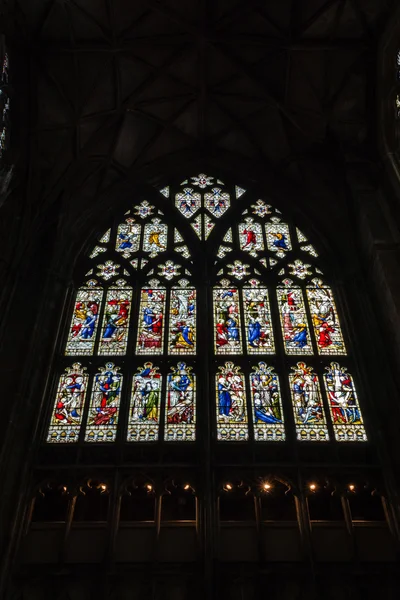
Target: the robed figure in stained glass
pixel 180 407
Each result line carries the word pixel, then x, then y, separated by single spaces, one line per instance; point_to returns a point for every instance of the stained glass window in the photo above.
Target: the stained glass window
pixel 257 315
pixel 232 422
pixel 104 405
pixel 180 412
pixel 144 411
pixel 249 289
pixel 4 106
pixel 151 319
pixel 182 320
pixel 82 333
pixel 114 334
pixel 343 404
pixel 325 319
pixel 227 338
pixel 308 408
pixel 267 404
pixel 68 408
pixel 294 322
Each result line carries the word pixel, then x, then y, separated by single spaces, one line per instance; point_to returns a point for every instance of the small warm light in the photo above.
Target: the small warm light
pixel 103 487
pixel 186 487
pixel 352 487
pixel 64 488
pixel 266 486
pixel 149 487
pixel 228 487
pixel 313 487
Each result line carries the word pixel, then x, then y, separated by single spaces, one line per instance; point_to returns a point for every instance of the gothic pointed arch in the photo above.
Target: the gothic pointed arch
pixel 207 305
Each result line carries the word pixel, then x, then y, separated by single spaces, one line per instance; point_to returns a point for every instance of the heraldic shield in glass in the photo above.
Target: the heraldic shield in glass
pixel 104 405
pixel 204 271
pixel 232 423
pixel 180 410
pixel 343 404
pixel 267 404
pixel 144 410
pixel 66 418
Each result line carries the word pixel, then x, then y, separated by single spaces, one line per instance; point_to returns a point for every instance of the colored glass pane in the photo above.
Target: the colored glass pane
pixel 299 269
pixel 82 334
pixel 309 414
pixel 217 202
pixel 239 191
pixel 144 210
pixel 278 237
pixel 327 330
pixel 261 209
pixel 196 224
pixel 310 249
pixel 151 321
pixel 108 270
pixel 184 250
pixel 228 237
pixel 114 333
pixel 180 410
pixel 294 323
pixel 169 270
pixel 208 226
pixel 343 404
pixel 155 237
pixel 232 422
pixel 66 418
pixel 96 251
pixel 105 238
pixel 128 237
pixel 188 202
pixel 165 191
pixel 251 236
pixel 182 321
pixel 300 236
pixel 257 318
pixel 267 404
pixel 144 411
pixel 104 405
pixel 202 180
pixel 238 269
pixel 227 321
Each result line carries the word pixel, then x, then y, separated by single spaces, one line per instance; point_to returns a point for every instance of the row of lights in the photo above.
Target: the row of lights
pixel 227 487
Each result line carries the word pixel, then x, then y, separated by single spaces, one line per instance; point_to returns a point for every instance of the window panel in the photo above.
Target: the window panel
pixel 227 321
pixel 309 413
pixel 182 321
pixel 188 202
pixel 232 424
pixel 114 334
pixel 251 237
pixel 257 316
pixel 104 405
pixel 343 404
pixel 267 404
pixel 155 237
pixel 217 202
pixel 180 410
pixel 278 237
pixel 327 330
pixel 82 334
pixel 66 418
pixel 294 322
pixel 128 237
pixel 144 411
pixel 151 320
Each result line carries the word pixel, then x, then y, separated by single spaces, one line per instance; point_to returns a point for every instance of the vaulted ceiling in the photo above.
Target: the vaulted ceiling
pixel 119 85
